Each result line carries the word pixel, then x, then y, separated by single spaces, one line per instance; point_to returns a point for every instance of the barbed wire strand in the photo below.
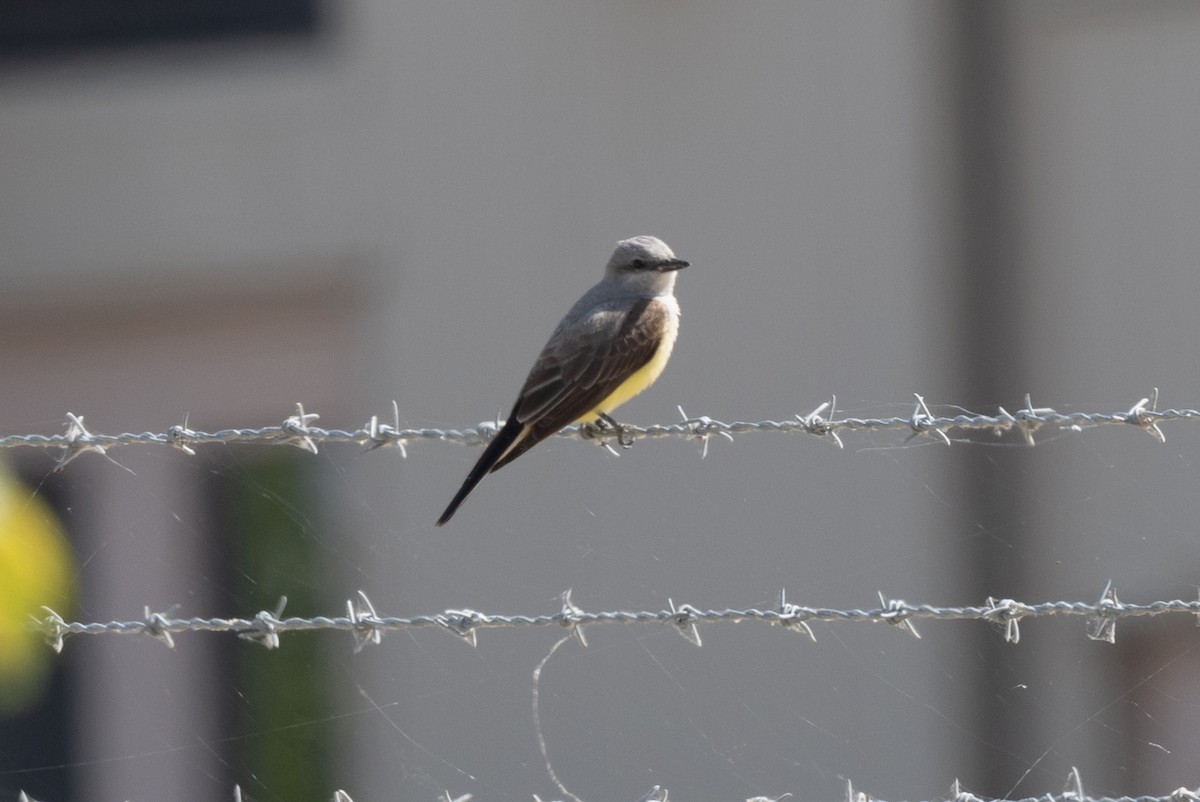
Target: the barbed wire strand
pixel 368 627
pixel 298 429
pixel 1072 792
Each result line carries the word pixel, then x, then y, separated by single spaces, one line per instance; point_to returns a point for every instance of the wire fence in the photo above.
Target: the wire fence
pixel 1072 792
pixel 298 429
pixel 368 626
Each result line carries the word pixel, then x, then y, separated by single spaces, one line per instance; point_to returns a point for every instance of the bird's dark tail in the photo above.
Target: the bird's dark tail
pixel 487 461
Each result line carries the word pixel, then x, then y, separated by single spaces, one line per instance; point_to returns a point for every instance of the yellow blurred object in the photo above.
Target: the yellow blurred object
pixel 36 569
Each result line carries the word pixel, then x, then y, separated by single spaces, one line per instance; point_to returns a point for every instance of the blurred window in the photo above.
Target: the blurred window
pixel 53 27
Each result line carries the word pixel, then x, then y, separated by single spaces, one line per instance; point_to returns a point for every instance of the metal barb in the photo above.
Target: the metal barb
pixel 922 421
pixel 78 441
pixel 179 436
pixel 297 426
pixel 1030 419
pixel 1102 625
pixel 1074 787
pixel 1139 416
pixel 685 624
pixel 266 626
pixel 793 617
pixel 396 428
pixel 815 423
pixel 463 623
pixel 364 622
pixel 379 434
pixel 1008 614
pixel 157 626
pixel 701 429
pixel 54 627
pixel 898 614
pixel 570 615
pixel 855 796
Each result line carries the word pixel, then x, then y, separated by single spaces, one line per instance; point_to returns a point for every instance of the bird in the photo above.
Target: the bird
pixel 612 344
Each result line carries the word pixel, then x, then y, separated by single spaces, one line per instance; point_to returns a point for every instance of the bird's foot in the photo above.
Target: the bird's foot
pixel 624 440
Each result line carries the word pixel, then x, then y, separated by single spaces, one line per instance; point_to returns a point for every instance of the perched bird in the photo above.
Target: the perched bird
pixel 611 345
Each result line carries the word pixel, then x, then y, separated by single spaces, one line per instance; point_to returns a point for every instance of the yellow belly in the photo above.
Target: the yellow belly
pixel 643 378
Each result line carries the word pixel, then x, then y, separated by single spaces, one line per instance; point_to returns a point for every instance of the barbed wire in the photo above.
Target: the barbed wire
pixel 1072 792
pixel 368 626
pixel 297 430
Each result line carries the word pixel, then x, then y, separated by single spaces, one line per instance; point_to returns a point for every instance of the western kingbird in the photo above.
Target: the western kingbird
pixel 613 344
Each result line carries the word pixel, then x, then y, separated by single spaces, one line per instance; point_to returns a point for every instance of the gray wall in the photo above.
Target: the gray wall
pixel 876 199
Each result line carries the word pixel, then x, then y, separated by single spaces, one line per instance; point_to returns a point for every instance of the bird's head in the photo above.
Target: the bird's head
pixel 645 265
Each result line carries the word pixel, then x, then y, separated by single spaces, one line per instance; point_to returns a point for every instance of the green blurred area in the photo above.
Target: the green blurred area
pixel 266 507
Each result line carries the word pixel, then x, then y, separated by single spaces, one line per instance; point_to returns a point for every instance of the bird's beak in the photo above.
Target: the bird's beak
pixel 672 264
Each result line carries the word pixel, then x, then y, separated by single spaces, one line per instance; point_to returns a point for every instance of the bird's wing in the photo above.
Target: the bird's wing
pixel 583 365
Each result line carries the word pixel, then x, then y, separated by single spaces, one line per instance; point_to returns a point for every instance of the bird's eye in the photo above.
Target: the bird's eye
pixel 637 264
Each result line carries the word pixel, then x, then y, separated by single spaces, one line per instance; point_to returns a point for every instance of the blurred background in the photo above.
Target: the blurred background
pixel 211 212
